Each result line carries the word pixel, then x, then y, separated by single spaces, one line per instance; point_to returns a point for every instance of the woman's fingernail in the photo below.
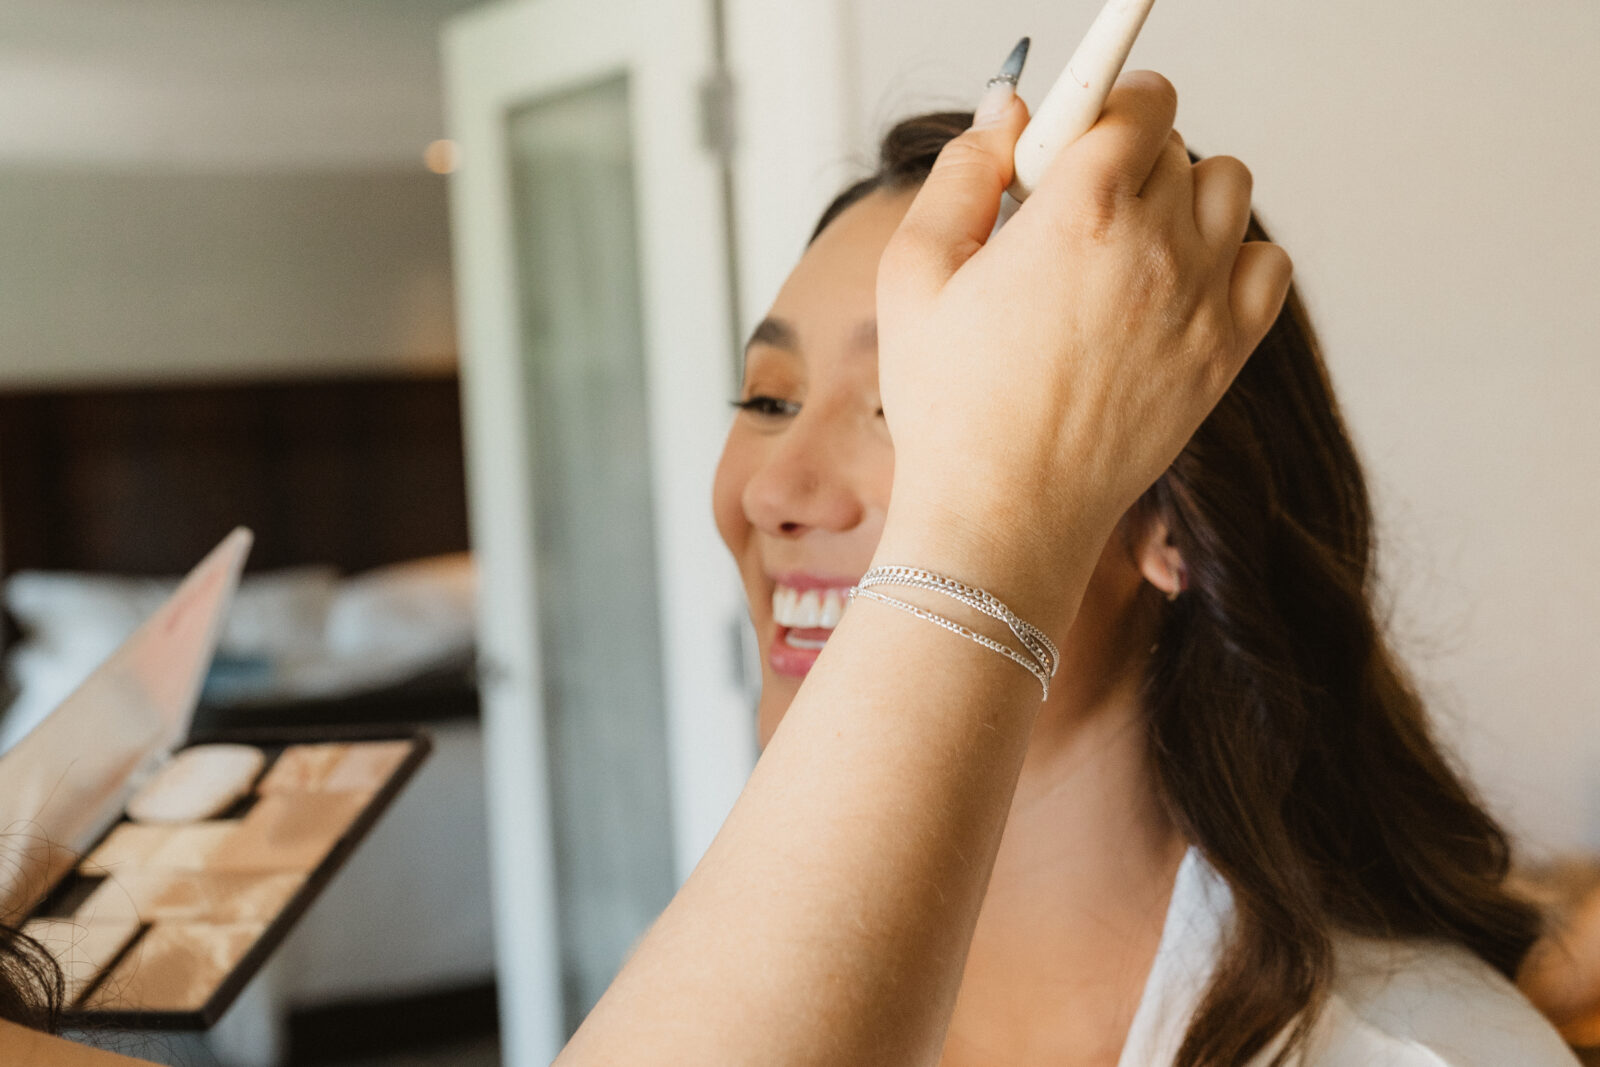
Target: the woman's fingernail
pixel 995 100
pixel 1002 87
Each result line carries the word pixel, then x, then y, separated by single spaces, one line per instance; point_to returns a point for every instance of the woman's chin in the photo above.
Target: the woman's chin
pixel 777 693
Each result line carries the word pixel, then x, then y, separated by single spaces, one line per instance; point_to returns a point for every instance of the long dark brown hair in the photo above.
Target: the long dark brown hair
pixel 31 985
pixel 1288 742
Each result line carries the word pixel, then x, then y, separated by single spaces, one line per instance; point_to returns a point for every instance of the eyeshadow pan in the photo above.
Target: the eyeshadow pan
pixel 302 768
pixel 191 847
pixel 285 832
pixel 82 950
pixel 211 896
pixel 198 783
pixel 31 868
pixel 129 845
pixel 366 766
pixel 175 967
pixel 108 905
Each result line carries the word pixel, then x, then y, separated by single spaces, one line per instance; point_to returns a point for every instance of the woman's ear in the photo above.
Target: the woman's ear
pixel 1156 556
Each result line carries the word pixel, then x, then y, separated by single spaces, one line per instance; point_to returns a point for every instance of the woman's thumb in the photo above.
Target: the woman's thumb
pixel 954 212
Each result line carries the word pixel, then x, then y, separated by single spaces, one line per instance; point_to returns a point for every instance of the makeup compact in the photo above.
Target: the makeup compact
pixel 162 871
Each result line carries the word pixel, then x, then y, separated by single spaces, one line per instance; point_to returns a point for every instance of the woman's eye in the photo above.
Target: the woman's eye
pixel 768 405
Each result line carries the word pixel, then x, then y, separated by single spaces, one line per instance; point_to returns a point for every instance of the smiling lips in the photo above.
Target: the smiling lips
pixel 805 619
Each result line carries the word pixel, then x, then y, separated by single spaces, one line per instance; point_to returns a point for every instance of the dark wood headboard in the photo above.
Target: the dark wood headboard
pixel 355 472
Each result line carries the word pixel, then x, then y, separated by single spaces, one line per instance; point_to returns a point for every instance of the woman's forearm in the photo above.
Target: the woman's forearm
pixel 829 921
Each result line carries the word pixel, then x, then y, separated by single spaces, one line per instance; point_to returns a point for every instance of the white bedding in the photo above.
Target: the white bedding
pixel 291 634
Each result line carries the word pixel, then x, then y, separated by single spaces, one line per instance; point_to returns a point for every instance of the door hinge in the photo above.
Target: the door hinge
pixel 716 113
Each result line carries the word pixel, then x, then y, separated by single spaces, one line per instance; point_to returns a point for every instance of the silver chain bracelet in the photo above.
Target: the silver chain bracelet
pixel 1033 639
pixel 1046 658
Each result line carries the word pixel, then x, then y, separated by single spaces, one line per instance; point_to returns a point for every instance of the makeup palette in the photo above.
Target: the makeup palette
pixel 161 924
pixel 162 870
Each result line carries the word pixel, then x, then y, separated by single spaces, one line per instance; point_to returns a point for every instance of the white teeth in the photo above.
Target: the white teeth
pixel 800 642
pixel 808 610
pixel 832 608
pixel 809 613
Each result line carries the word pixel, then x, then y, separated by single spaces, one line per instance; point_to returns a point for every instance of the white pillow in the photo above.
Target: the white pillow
pixel 71 622
pixel 69 613
pixel 422 610
pixel 274 613
pixel 294 633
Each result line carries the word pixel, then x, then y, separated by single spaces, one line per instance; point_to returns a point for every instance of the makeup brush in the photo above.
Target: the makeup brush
pixel 1074 102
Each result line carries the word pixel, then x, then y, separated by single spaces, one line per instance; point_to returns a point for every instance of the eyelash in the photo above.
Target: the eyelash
pixel 773 407
pixel 769 406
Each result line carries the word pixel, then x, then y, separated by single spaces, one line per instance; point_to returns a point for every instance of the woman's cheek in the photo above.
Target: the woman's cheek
pixel 727 492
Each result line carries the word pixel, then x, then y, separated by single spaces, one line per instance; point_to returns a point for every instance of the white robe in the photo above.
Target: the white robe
pixel 1392 1004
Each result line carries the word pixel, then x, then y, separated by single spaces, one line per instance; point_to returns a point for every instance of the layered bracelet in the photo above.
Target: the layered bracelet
pixel 1042 657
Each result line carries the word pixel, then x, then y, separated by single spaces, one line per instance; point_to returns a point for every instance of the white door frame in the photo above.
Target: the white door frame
pixel 497 59
pixel 787 59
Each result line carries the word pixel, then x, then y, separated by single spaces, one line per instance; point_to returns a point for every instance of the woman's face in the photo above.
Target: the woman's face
pixel 803 484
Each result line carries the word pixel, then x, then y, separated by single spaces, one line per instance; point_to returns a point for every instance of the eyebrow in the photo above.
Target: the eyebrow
pixel 778 333
pixel 774 332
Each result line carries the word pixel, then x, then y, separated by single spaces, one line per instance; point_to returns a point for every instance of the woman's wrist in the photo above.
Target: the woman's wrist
pixel 1037 568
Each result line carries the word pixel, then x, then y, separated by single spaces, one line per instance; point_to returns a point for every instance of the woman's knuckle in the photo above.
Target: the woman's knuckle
pixel 963 152
pixel 1155 87
pixel 1235 170
pixel 1164 90
pixel 1169 94
pixel 908 244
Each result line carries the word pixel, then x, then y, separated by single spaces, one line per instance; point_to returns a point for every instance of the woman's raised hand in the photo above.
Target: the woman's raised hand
pixel 1037 383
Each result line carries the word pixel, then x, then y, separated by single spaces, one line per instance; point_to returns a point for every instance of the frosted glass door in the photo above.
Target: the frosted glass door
pixel 583 360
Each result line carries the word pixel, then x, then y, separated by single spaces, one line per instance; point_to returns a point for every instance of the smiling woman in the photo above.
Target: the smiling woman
pixel 1231 748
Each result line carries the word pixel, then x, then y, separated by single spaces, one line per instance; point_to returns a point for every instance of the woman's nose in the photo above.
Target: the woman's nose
pixel 806 481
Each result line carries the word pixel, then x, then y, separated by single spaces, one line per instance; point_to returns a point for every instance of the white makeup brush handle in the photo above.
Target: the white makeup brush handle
pixel 1074 101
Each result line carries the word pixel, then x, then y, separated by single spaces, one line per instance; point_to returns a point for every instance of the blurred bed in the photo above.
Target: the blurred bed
pixel 355 491
pixel 357 607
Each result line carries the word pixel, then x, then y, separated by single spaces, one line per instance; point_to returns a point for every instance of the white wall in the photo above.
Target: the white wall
pixel 221 84
pixel 137 274
pixel 1431 166
pixel 220 188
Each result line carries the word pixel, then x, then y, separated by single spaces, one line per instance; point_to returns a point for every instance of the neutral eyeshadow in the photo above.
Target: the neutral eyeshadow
pixel 107 904
pixel 191 847
pixel 286 832
pixel 33 867
pixel 82 950
pixel 175 967
pixel 129 845
pixel 365 767
pixel 210 896
pixel 302 768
